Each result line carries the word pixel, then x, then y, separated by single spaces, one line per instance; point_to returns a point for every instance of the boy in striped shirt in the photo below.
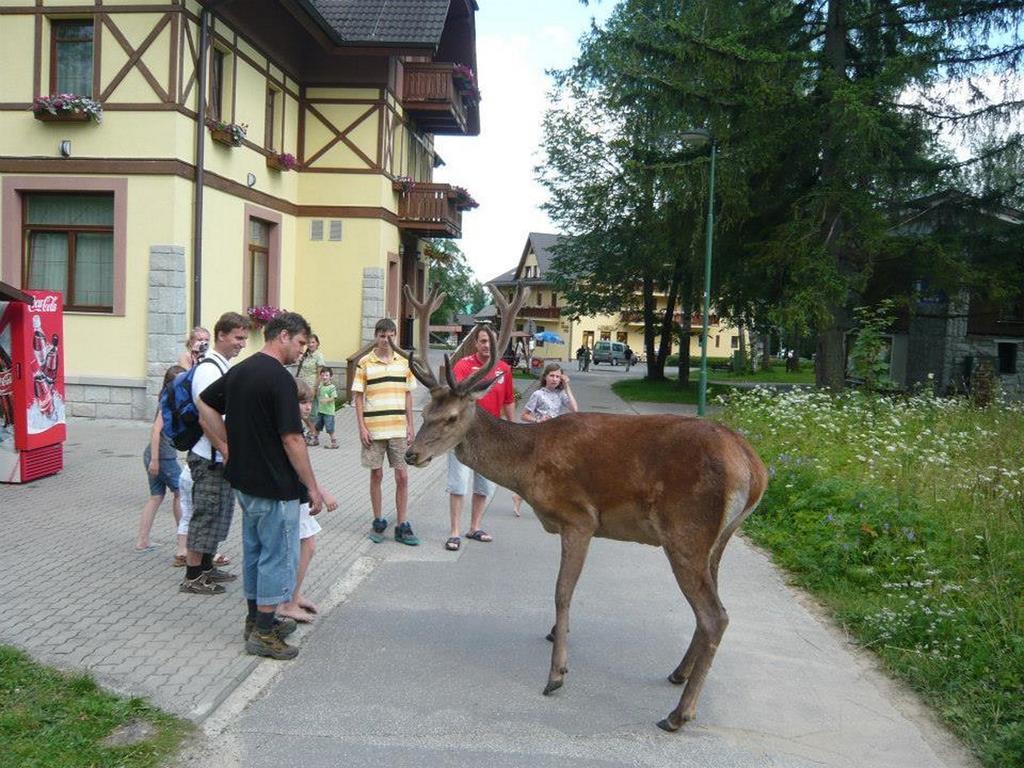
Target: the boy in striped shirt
pixel 382 387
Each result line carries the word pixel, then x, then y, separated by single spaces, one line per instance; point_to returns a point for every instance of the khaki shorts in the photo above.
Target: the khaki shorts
pixel 373 457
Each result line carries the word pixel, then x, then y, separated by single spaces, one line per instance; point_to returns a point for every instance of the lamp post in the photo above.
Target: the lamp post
pixel 699 137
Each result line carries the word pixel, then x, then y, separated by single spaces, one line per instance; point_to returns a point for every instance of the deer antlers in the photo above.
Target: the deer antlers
pixel 478 379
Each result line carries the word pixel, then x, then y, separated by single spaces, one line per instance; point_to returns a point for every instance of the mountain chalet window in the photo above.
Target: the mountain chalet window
pixel 259 262
pixel 68 242
pixel 71 57
pixel 216 106
pixel 1007 357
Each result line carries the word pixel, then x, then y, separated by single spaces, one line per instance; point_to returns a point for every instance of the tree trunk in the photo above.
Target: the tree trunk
pixel 655 360
pixel 830 359
pixel 743 345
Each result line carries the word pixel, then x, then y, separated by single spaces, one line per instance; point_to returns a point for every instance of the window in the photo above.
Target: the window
pixel 606 335
pixel 540 298
pixel 718 341
pixel 734 342
pixel 216 106
pixel 540 329
pixel 71 58
pixel 69 247
pixel 621 336
pixel 554 299
pixel 269 119
pixel 1007 352
pixel 259 263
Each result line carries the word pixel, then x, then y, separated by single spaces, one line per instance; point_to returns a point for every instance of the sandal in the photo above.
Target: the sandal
pixel 453 544
pixel 178 561
pixel 479 535
pixel 221 560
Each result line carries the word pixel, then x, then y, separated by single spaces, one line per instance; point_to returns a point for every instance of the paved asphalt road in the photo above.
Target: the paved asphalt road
pixel 429 658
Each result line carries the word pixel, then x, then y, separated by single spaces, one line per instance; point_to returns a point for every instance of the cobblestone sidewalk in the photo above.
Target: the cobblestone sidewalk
pixel 77 596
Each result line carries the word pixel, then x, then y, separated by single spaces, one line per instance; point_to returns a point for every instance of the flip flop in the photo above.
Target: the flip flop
pixel 148 548
pixel 221 560
pixel 453 544
pixel 479 535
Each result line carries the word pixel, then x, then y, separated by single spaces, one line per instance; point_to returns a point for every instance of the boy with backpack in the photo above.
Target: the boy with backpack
pixel 213 500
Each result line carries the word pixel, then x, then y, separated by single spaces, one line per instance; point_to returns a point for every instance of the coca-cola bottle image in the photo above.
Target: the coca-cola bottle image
pixel 43 394
pixel 38 340
pixel 52 356
pixel 6 389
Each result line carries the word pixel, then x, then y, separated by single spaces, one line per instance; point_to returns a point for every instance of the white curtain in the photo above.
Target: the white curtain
pixel 48 262
pixel 94 270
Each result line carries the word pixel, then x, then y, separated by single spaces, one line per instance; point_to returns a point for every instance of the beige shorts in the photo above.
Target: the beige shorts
pixel 373 457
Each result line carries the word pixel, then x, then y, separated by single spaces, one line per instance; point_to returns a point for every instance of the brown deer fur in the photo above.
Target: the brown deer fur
pixel 680 483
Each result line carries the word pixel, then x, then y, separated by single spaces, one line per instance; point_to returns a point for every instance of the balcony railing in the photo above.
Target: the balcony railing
pixel 429 210
pixel 541 313
pixel 430 97
pixel 636 317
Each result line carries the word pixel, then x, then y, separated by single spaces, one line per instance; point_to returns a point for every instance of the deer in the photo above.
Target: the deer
pixel 684 484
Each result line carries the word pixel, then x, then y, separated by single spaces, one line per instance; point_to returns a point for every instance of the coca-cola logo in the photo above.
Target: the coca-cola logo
pixel 45 304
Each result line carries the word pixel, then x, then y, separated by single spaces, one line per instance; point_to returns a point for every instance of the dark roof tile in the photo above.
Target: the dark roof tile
pixel 383 22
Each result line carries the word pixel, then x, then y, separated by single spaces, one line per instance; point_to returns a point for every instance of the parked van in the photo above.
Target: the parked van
pixel 613 352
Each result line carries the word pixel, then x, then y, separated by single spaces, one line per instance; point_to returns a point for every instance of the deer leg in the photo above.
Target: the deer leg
pixel 698 586
pixel 575 544
pixel 681 674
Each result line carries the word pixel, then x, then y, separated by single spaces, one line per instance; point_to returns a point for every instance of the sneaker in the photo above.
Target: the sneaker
pixel 404 535
pixel 216 575
pixel 283 627
pixel 200 585
pixel 270 645
pixel 380 524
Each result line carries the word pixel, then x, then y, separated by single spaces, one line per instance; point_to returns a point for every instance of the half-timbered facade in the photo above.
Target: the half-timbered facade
pixel 265 152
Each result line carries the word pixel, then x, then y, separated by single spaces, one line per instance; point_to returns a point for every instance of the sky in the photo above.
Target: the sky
pixel 517 41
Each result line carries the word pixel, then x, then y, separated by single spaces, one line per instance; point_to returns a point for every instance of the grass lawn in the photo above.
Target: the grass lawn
pixel 52 720
pixel 667 391
pixel 777 374
pixel 905 517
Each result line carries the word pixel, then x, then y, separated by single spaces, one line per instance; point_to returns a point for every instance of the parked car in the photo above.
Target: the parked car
pixel 613 352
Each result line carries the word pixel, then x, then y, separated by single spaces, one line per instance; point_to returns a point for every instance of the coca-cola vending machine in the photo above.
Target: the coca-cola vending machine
pixel 32 418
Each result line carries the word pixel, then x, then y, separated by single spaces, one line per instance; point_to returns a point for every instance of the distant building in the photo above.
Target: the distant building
pixel 544 311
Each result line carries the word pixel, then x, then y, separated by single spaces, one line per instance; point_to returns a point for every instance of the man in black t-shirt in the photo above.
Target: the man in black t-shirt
pixel 268 467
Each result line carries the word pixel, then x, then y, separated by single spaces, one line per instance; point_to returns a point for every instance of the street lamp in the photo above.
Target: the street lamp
pixel 699 137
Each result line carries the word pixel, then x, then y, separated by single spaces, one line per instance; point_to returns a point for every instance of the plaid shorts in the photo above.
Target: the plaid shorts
pixel 213 503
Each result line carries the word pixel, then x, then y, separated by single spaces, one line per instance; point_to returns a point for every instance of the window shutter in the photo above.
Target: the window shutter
pixel 335 232
pixel 316 229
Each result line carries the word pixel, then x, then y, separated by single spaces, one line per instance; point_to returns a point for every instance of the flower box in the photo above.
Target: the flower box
pixel 228 134
pixel 66 108
pixel 62 117
pixel 282 162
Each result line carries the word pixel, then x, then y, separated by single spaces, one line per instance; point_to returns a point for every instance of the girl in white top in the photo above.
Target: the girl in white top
pixel 553 398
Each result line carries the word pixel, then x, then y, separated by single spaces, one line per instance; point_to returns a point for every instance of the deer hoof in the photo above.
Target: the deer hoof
pixel 665 725
pixel 550 636
pixel 676 679
pixel 552 686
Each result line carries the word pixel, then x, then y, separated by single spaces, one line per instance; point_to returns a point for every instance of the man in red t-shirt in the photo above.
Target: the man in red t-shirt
pixel 499 401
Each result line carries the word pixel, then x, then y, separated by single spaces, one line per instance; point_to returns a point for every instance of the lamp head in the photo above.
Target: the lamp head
pixel 697 137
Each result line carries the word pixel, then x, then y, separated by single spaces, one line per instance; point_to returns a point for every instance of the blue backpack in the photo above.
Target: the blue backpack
pixel 181 417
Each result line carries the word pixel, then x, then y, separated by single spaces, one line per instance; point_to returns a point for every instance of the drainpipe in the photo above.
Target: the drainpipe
pixel 200 176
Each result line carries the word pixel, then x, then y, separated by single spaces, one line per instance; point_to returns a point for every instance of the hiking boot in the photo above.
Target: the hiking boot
pixel 216 575
pixel 404 535
pixel 380 524
pixel 283 627
pixel 200 585
pixel 270 645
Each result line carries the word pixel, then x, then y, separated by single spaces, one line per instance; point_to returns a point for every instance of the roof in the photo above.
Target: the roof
pixel 541 244
pixel 385 22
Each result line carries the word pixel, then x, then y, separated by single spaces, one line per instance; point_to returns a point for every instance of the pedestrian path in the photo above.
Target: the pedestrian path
pixel 77 596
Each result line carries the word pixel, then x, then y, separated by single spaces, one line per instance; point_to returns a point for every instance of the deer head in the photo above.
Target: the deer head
pixel 452 407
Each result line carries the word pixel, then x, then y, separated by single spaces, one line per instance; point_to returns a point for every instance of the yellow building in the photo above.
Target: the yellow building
pixel 545 311
pixel 181 204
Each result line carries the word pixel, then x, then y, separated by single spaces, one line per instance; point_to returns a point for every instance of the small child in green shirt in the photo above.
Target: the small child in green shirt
pixel 326 394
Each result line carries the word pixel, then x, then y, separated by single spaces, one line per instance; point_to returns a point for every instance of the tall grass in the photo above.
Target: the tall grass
pixel 906 517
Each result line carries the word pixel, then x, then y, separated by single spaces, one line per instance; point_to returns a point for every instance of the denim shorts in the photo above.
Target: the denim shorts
pixel 166 476
pixel 270 548
pixel 459 476
pixel 324 421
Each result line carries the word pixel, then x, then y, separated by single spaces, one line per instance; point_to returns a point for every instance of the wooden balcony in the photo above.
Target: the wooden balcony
pixel 636 317
pixel 429 97
pixel 541 313
pixel 428 210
